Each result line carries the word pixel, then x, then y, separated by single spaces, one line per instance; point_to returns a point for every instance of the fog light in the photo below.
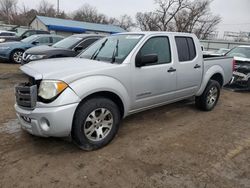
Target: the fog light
pixel 44 123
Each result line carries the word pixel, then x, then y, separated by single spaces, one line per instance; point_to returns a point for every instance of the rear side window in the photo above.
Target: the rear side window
pixel 186 48
pixel 159 46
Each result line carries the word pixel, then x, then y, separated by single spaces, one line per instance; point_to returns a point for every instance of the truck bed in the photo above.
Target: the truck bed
pixel 221 63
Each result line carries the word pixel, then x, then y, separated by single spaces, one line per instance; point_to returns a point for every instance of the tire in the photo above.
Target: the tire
pixel 96 122
pixel 16 56
pixel 209 98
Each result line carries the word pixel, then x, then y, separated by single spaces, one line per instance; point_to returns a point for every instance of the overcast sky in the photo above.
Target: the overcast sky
pixel 235 13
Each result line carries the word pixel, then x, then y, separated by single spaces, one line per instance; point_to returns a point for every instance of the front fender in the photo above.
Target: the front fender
pixel 94 84
pixel 216 69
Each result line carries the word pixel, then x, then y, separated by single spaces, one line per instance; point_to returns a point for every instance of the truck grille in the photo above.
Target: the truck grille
pixel 26 94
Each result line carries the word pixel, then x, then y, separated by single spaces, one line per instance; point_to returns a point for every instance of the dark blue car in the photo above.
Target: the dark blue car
pixel 13 51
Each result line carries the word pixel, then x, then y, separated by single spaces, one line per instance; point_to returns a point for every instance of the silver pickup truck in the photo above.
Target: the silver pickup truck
pixel 86 97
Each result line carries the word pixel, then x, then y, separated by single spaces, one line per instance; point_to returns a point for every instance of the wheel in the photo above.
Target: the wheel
pixel 209 98
pixel 16 56
pixel 95 124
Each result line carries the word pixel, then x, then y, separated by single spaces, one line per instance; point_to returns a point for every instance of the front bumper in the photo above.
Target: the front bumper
pixel 47 122
pixel 240 79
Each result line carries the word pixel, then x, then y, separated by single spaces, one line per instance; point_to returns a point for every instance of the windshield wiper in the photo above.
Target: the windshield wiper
pixel 95 54
pixel 115 53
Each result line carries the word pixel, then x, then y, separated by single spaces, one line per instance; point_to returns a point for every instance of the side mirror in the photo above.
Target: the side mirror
pixel 24 36
pixel 78 48
pixel 35 43
pixel 141 61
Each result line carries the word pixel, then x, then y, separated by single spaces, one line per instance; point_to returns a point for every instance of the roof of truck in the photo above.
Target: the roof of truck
pixel 158 32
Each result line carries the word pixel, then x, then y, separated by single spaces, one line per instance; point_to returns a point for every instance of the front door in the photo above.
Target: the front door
pixel 154 83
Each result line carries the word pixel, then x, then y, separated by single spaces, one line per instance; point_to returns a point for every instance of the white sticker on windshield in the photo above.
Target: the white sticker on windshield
pixel 133 37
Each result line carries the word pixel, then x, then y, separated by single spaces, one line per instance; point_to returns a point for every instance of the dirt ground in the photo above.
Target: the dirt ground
pixel 172 146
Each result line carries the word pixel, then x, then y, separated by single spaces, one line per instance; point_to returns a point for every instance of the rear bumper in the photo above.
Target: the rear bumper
pixel 47 122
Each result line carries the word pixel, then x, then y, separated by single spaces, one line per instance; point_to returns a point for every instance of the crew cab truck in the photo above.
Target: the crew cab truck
pixel 87 96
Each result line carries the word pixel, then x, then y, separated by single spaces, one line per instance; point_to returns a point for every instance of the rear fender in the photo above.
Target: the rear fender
pixel 216 69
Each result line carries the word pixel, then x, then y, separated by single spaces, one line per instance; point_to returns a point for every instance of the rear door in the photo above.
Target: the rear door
pixel 154 83
pixel 189 66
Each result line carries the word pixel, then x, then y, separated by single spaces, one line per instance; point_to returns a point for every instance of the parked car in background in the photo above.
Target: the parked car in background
pixel 13 51
pixel 215 53
pixel 87 96
pixel 7 35
pixel 241 75
pixel 68 47
pixel 222 51
pixel 31 32
pixel 17 37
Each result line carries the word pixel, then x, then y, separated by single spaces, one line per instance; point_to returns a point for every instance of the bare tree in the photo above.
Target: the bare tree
pixel 46 9
pixel 162 18
pixel 147 21
pixel 197 18
pixel 166 11
pixel 88 13
pixel 180 15
pixel 124 22
pixel 8 9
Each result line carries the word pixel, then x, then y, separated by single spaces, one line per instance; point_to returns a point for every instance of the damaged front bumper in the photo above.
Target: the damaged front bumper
pixel 240 79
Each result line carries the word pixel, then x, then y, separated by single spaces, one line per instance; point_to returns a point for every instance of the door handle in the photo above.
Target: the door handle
pixel 171 70
pixel 197 66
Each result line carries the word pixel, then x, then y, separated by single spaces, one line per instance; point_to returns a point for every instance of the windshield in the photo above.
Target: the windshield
pixel 240 52
pixel 29 39
pixel 112 49
pixel 68 43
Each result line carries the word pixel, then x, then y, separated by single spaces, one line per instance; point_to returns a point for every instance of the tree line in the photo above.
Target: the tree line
pixel 170 15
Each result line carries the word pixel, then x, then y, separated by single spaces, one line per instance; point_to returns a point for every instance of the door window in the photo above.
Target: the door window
pixel 186 48
pixel 43 40
pixel 56 39
pixel 159 46
pixel 86 43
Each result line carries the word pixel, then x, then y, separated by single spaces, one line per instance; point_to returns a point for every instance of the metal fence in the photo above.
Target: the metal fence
pixel 211 45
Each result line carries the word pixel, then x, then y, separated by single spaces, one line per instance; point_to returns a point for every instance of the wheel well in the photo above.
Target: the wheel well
pixel 112 96
pixel 219 78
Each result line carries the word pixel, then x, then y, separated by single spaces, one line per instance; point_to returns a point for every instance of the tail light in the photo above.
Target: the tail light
pixel 234 65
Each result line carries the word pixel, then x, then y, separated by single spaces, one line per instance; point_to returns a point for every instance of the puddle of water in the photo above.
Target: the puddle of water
pixel 12 127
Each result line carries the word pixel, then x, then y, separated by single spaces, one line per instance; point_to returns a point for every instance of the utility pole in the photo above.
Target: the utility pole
pixel 57 7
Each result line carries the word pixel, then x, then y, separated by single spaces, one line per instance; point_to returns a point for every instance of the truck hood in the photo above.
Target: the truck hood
pixel 43 50
pixel 65 69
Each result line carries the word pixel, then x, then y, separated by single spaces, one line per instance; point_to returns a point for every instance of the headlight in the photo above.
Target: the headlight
pixel 2 40
pixel 36 57
pixel 4 48
pixel 50 89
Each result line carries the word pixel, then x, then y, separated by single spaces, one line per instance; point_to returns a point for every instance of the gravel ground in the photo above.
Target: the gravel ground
pixel 172 146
